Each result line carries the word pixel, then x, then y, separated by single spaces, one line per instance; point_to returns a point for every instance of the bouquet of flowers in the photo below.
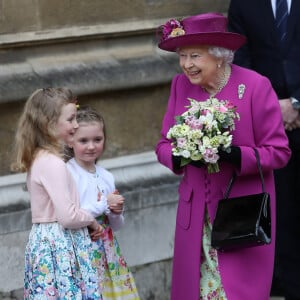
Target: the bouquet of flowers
pixel 201 131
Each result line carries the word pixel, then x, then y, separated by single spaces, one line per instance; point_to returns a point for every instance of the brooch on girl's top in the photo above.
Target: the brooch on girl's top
pixel 241 90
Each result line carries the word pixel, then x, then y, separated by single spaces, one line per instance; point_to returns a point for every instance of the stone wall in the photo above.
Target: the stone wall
pixel 110 60
pixel 41 15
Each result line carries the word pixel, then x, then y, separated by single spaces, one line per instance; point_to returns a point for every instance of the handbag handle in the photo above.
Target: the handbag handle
pixel 229 187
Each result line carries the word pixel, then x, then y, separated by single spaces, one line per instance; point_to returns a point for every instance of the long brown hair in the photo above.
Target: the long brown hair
pixel 36 126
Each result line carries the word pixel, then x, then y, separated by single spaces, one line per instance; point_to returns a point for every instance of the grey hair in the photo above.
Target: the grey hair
pixel 221 52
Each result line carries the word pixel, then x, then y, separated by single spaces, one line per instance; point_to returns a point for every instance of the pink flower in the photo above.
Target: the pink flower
pixel 51 293
pixel 204 112
pixel 196 124
pixel 193 122
pixel 189 119
pixel 122 261
pixel 223 108
pixel 229 105
pixel 210 156
pixel 181 142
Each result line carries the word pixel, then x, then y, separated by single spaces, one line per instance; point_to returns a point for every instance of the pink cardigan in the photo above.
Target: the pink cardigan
pixel 245 274
pixel 53 193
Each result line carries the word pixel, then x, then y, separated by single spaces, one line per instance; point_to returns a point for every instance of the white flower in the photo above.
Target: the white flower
pixel 186 153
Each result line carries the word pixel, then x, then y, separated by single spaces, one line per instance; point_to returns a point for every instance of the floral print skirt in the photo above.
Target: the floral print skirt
pixel 116 280
pixel 58 264
pixel 210 283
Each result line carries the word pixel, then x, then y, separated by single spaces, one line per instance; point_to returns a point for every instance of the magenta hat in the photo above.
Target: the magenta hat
pixel 205 29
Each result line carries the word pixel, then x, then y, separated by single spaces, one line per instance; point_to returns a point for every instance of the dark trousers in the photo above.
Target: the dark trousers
pixel 287 253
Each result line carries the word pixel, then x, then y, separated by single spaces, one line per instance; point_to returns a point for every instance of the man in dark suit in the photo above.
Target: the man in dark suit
pixel 278 58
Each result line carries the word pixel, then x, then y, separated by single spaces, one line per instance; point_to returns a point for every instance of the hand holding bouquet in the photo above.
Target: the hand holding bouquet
pixel 202 131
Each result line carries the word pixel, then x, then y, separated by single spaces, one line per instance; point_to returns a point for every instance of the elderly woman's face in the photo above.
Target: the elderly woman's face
pixel 198 65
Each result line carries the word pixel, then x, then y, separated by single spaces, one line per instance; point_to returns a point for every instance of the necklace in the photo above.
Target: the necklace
pixel 93 171
pixel 223 81
pixel 90 169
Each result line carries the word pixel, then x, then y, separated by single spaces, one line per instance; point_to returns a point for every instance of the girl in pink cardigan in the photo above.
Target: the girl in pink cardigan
pixel 58 254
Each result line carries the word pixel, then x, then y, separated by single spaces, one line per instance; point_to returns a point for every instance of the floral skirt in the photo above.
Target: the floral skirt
pixel 210 283
pixel 116 280
pixel 58 264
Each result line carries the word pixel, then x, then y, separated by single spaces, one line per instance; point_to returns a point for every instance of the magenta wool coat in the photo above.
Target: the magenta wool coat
pixel 245 274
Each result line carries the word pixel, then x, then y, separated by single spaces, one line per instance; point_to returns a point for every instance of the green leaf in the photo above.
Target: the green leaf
pixel 179 119
pixel 184 161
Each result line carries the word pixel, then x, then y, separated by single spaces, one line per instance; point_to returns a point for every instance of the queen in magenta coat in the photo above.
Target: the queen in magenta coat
pixel 205 52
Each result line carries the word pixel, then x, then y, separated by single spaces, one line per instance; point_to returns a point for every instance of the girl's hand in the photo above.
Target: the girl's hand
pixel 115 202
pixel 97 233
pixel 117 208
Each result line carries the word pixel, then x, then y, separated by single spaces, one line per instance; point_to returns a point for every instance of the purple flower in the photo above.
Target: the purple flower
pixel 172 28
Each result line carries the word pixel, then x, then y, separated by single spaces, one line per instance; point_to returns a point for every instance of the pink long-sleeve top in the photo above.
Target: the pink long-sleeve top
pixel 53 194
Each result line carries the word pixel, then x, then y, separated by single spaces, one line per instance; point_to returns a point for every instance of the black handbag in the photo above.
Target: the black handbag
pixel 244 221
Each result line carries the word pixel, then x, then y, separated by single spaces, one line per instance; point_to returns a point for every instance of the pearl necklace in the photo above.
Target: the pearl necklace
pixel 223 81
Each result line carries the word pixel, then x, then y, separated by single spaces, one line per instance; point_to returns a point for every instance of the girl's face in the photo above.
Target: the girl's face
pixel 88 143
pixel 198 65
pixel 66 124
